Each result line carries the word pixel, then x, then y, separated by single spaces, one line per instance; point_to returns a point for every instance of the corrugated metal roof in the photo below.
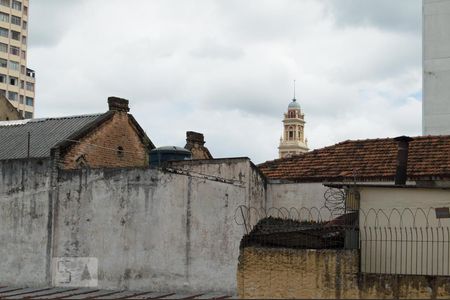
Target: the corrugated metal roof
pixel 44 135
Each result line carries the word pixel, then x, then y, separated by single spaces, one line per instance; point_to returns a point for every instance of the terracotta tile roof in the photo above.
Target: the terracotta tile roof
pixel 364 160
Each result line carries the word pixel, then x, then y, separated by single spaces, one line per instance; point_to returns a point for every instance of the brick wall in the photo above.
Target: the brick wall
pixel 115 143
pixel 326 274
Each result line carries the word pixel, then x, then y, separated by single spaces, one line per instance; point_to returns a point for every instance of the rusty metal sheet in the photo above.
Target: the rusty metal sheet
pixel 100 293
pixel 48 292
pixel 9 289
pixel 67 294
pixel 213 296
pixel 123 295
pixel 23 292
pixel 183 296
pixel 152 295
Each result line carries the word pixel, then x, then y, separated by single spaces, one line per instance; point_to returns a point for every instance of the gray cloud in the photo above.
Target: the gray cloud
pixel 50 20
pixel 385 14
pixel 225 68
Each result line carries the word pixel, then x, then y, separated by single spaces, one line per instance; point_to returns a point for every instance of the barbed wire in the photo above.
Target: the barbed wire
pixel 248 216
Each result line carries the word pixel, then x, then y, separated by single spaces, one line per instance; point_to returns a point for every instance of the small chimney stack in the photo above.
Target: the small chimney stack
pixel 195 142
pixel 402 159
pixel 195 138
pixel 118 104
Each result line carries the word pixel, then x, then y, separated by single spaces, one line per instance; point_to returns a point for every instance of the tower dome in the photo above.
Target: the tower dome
pixel 294 104
pixel 293 139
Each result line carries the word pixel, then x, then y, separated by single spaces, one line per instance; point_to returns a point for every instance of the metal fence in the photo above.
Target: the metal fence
pixel 391 241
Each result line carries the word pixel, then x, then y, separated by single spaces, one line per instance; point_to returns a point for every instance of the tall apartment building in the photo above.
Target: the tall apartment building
pixel 17 82
pixel 436 67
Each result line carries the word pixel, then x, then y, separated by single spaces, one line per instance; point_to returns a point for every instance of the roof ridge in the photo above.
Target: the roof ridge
pixel 66 117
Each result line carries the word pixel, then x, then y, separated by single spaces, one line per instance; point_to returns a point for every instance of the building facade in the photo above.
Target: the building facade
pixel 436 67
pixel 293 140
pixel 17 82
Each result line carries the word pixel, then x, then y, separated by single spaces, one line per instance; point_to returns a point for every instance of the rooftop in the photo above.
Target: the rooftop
pixel 44 134
pixel 364 160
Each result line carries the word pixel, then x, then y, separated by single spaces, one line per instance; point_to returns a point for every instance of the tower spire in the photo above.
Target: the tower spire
pixel 294 92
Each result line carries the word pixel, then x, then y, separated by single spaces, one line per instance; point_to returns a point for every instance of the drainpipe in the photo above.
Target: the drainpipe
pixel 402 159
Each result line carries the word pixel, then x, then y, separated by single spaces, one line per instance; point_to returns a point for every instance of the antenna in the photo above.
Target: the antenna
pixel 294 89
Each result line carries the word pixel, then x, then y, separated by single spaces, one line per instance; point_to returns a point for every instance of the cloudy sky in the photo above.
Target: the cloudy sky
pixel 226 67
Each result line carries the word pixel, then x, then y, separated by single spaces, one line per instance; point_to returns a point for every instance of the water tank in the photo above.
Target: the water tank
pixel 166 153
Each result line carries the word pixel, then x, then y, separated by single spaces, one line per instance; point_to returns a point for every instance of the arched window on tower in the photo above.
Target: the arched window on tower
pixel 291 133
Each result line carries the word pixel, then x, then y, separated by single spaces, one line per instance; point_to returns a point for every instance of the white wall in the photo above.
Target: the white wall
pixel 406 237
pixel 296 195
pixel 436 67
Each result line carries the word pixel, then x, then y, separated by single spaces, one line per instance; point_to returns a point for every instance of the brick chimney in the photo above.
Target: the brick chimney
pixel 195 142
pixel 402 159
pixel 118 104
pixel 195 137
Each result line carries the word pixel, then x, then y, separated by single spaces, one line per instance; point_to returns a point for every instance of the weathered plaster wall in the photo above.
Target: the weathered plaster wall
pixel 24 200
pixel 326 274
pixel 295 195
pixel 148 228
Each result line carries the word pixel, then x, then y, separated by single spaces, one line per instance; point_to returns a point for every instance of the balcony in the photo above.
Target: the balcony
pixel 31 74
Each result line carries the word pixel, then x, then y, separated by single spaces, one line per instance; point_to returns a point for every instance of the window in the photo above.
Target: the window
pixel 28 115
pixel 5 3
pixel 16 5
pixel 4 32
pixel 2 92
pixel 24 25
pixel 24 54
pixel 25 10
pixel 23 70
pixel 29 101
pixel 3 63
pixel 120 151
pixel 3 47
pixel 30 86
pixel 14 65
pixel 24 40
pixel 13 80
pixel 4 17
pixel 21 99
pixel 14 50
pixel 13 96
pixel 16 20
pixel 2 78
pixel 15 35
pixel 22 84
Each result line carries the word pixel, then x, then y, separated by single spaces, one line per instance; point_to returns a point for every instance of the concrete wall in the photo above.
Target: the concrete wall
pixel 436 67
pixel 24 207
pixel 296 195
pixel 147 228
pixel 325 274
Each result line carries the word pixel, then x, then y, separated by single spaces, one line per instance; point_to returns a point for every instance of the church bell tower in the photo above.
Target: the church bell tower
pixel 293 140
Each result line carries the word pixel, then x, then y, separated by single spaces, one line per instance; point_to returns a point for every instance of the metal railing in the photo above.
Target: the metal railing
pixel 391 241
